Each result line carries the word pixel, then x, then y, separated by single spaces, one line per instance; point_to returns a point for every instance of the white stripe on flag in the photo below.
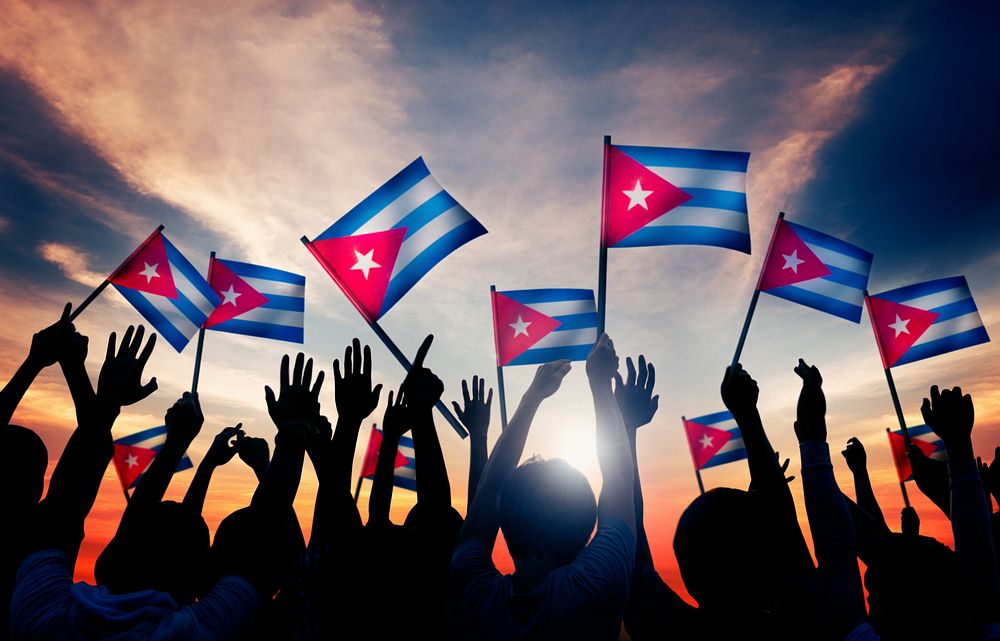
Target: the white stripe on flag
pixel 843 261
pixel 273 317
pixel 734 443
pixel 565 307
pixel 406 473
pixel 426 235
pixel 951 326
pixel 275 288
pixel 187 288
pixel 173 315
pixel 726 424
pixel 586 336
pixel 833 290
pixel 398 209
pixel 688 178
pixel 939 299
pixel 703 217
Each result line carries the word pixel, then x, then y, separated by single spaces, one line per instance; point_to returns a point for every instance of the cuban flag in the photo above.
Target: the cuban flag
pixel 166 289
pixel 405 474
pixel 380 249
pixel 920 436
pixel 257 301
pixel 672 196
pixel 816 270
pixel 135 452
pixel 532 326
pixel 927 319
pixel 714 439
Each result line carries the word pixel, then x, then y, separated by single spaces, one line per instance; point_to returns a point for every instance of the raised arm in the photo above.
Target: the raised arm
pixel 356 400
pixel 423 389
pixel 475 416
pixel 931 477
pixel 951 415
pixel 256 453
pixel 395 423
pixel 222 450
pixel 482 520
pixel 857 461
pixel 183 421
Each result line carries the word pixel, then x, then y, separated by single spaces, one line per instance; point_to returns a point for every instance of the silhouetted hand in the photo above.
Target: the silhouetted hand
pixel 184 419
pixel 76 350
pixel 548 378
pixel 255 452
pixel 931 477
pixel 356 399
pixel 396 420
pixel 951 415
pixel 298 397
pixel 811 413
pixel 120 381
pixel 634 396
pixel 910 522
pixel 51 344
pixel 857 459
pixel 783 468
pixel 318 441
pixel 739 391
pixel 223 447
pixel 991 474
pixel 475 413
pixel 422 387
pixel 602 362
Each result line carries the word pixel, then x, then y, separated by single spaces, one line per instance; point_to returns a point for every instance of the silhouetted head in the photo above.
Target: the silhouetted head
pixel 906 571
pixel 725 552
pixel 241 546
pixel 22 475
pixel 163 548
pixel 547 511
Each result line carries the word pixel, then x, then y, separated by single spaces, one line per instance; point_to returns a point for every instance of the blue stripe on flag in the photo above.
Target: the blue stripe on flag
pixel 917 430
pixel 832 243
pixel 725 457
pixel 144 435
pixel 189 309
pixel 691 158
pixel 956 309
pixel 845 277
pixel 285 303
pixel 652 235
pixel 378 200
pixel 179 263
pixel 818 301
pixel 549 354
pixel 943 345
pixel 576 321
pixel 289 333
pixel 716 199
pixel 712 419
pixel 249 270
pixel 919 290
pixel 425 213
pixel 163 327
pixel 549 295
pixel 405 483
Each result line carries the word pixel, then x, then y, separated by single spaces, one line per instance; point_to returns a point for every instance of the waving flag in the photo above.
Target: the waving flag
pixel 816 270
pixel 166 289
pixel 671 196
pixel 380 249
pixel 405 474
pixel 927 319
pixel 714 439
pixel 533 326
pixel 135 452
pixel 922 437
pixel 257 301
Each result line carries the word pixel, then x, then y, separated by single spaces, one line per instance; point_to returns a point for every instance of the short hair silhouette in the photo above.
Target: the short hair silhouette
pixel 163 547
pixel 547 510
pixel 710 529
pixel 23 471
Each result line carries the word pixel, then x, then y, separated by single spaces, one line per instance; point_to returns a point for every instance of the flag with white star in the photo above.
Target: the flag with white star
pixel 816 270
pixel 674 196
pixel 380 249
pixel 924 320
pixel 134 453
pixel 166 289
pixel 257 301
pixel 714 439
pixel 532 326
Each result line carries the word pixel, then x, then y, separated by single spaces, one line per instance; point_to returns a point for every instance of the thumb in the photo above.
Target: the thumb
pixel 148 388
pixel 269 398
pixel 458 411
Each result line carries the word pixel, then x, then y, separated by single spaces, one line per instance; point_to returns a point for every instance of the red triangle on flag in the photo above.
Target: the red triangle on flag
pixel 636 197
pixel 147 270
pixel 131 461
pixel 237 296
pixel 362 266
pixel 898 327
pixel 790 261
pixel 517 327
pixel 371 455
pixel 704 441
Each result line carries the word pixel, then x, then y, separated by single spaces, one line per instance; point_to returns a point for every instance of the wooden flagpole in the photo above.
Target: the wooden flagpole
pixel 602 266
pixel 201 332
pixel 496 340
pixel 756 294
pixel 107 281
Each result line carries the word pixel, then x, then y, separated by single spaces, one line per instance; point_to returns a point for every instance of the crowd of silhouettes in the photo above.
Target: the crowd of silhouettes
pixel 583 565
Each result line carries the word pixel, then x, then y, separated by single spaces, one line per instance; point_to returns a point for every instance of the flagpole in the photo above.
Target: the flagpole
pixel 500 387
pixel 701 486
pixel 902 484
pixel 201 332
pixel 756 294
pixel 602 267
pixel 388 342
pixel 107 281
pixel 888 377
pixel 357 490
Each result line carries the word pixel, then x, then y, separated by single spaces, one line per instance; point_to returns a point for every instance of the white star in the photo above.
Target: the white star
pixel 520 327
pixel 900 326
pixel 131 460
pixel 231 296
pixel 706 441
pixel 150 271
pixel 637 196
pixel 792 261
pixel 365 262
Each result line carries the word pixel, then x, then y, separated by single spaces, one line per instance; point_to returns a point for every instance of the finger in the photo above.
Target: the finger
pixel 337 378
pixel 619 383
pixel 641 378
pixel 148 388
pixel 133 348
pixel 482 389
pixel 650 377
pixel 789 479
pixel 458 411
pixel 307 374
pixel 630 367
pixel 147 351
pixel 269 398
pixel 465 391
pixel 358 361
pixel 300 359
pixel 65 312
pixel 489 399
pixel 935 396
pixel 348 360
pixel 284 374
pixel 366 367
pixel 126 341
pixel 655 403
pixel 476 395
pixel 422 352
pixel 390 398
pixel 925 410
pixel 319 383
pixel 111 347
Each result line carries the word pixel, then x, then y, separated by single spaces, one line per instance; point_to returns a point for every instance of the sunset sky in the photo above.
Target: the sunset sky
pixel 242 126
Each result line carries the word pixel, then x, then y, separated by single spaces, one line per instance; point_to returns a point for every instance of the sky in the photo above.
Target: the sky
pixel 242 126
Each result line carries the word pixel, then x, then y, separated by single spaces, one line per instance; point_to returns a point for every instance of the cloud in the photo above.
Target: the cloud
pixel 72 262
